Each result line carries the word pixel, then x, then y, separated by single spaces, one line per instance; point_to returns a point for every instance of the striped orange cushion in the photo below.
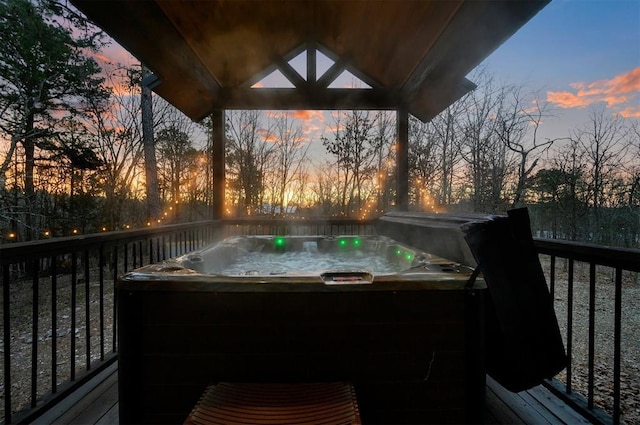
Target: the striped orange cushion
pixel 257 403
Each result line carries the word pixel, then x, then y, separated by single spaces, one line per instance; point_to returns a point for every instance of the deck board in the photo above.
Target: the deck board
pixel 557 406
pixel 523 408
pixel 105 398
pixel 97 403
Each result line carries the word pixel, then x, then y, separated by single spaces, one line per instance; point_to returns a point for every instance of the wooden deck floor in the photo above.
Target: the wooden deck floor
pixel 97 403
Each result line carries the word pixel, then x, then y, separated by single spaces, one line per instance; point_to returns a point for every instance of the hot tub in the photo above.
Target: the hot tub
pixel 334 260
pixel 404 326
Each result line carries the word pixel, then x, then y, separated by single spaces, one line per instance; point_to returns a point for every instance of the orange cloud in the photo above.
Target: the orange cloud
pixel 567 99
pixel 267 136
pixel 631 112
pixel 618 90
pixel 308 115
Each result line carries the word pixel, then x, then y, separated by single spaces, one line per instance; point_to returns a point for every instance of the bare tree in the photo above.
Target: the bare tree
pixel 326 190
pixel 434 154
pixel 384 161
pixel 632 205
pixel 486 157
pixel 518 121
pixel 604 145
pixel 289 152
pixel 176 158
pixel 116 132
pixel 354 146
pixel 247 156
pixel 570 187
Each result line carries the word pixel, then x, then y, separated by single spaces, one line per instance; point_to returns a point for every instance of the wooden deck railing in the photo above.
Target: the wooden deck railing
pixel 58 309
pixel 609 271
pixel 59 316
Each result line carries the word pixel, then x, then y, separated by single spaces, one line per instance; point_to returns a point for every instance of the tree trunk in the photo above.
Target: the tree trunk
pixel 29 167
pixel 150 165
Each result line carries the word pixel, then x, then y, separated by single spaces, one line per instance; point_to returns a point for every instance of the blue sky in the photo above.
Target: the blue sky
pixel 578 53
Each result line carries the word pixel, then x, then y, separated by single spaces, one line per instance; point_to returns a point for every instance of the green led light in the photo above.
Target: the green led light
pixel 409 257
pixel 279 242
pixel 343 242
pixel 398 252
pixel 356 242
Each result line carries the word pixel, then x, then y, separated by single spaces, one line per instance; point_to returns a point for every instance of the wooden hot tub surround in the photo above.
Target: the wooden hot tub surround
pixel 411 345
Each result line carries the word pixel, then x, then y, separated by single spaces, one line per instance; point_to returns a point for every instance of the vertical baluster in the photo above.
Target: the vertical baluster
pixel 591 348
pixel 6 338
pixel 34 333
pixel 54 325
pixel 101 291
pixel 135 255
pixel 552 276
pixel 164 248
pixel 184 246
pixel 569 323
pixel 158 259
pixel 87 309
pixel 141 253
pixel 74 280
pixel 114 334
pixel 616 345
pixel 126 258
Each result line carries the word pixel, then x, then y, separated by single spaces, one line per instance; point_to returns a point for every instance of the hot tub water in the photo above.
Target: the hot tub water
pixel 303 255
pixel 274 263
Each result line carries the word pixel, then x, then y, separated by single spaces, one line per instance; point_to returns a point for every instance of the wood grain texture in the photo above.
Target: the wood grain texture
pixel 417 51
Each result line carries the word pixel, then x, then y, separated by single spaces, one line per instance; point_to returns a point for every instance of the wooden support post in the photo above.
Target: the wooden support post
pixel 217 118
pixel 311 63
pixel 402 160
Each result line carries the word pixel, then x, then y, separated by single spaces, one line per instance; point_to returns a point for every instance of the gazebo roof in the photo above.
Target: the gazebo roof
pixel 414 54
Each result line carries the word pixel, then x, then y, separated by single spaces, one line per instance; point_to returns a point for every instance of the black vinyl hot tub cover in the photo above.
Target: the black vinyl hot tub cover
pixel 523 340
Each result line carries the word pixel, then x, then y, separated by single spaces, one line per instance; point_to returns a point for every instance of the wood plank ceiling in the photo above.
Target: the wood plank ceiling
pixel 414 54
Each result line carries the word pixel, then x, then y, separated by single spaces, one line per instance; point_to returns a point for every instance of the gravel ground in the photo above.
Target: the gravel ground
pixel 21 344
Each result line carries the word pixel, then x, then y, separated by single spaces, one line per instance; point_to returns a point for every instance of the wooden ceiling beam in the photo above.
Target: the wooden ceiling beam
pixel 311 98
pixel 437 95
pixel 289 72
pixel 333 72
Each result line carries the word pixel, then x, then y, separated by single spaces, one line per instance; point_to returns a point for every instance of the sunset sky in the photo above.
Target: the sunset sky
pixel 575 53
pixel 578 53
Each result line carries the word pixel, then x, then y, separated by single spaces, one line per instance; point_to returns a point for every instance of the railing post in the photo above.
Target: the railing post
pixel 54 325
pixel 569 324
pixel 114 324
pixel 87 308
pixel 616 345
pixel 74 318
pixel 591 330
pixel 34 332
pixel 6 338
pixel 101 302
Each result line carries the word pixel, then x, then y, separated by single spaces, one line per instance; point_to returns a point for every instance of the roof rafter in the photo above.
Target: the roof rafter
pixel 415 53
